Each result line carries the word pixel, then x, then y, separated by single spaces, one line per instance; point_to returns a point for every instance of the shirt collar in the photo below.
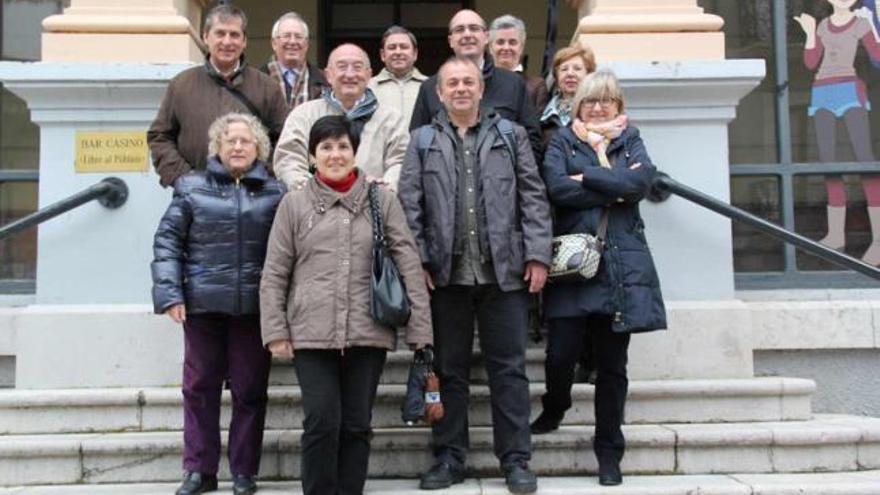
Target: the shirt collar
pixel 358 102
pixel 231 74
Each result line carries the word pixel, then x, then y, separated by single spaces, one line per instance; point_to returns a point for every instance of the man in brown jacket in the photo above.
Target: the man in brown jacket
pixel 178 137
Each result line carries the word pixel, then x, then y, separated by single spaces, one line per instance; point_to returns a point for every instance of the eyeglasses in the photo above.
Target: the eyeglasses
pixel 290 36
pixel 603 102
pixel 244 142
pixel 474 28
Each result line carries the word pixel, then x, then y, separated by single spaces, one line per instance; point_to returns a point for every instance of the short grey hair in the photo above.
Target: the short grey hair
pixel 223 13
pixel 507 21
pixel 290 16
pixel 218 129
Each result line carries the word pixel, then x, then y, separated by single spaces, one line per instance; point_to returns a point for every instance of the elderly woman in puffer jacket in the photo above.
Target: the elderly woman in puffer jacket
pixel 209 251
pixel 315 302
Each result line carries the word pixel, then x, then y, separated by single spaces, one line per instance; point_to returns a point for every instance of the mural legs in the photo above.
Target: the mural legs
pixel 858 130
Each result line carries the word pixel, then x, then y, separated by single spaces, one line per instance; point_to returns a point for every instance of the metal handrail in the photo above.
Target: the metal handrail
pixel 110 192
pixel 665 185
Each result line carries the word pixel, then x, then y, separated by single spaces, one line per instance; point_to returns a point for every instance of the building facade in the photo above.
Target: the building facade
pixel 775 167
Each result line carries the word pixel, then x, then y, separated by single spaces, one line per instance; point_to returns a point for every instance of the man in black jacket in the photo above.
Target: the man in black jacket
pixel 478 212
pixel 504 91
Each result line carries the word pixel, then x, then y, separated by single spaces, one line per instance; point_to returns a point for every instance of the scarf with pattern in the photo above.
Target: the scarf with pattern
pixel 598 136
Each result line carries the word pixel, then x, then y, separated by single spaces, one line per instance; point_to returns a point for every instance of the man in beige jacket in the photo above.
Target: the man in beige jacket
pixel 397 85
pixel 383 131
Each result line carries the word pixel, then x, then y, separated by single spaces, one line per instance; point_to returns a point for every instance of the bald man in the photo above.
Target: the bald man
pixel 383 131
pixel 504 90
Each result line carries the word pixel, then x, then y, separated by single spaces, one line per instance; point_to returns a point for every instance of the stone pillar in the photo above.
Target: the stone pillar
pixel 132 31
pixel 649 30
pixel 92 311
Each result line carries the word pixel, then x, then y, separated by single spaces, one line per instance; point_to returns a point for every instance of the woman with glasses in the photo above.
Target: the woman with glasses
pixel 597 168
pixel 209 250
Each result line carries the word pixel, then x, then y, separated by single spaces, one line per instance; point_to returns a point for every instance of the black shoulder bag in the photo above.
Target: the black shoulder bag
pixel 389 304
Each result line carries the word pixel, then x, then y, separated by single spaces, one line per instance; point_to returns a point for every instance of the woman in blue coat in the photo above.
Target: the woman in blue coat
pixel 209 250
pixel 598 165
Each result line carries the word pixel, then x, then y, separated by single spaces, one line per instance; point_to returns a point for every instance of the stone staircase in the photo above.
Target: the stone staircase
pixel 730 436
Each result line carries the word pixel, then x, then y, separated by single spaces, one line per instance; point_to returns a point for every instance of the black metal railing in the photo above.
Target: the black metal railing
pixel 110 192
pixel 665 185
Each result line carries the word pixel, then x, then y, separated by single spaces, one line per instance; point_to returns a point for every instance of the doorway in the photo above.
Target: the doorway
pixel 362 22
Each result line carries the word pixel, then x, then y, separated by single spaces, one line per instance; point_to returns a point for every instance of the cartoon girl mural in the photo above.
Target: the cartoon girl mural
pixel 839 94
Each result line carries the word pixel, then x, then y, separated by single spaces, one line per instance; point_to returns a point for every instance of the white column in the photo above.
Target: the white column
pixel 649 30
pixel 129 31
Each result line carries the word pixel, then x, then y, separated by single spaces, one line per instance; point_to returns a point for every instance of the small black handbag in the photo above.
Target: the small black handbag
pixel 389 304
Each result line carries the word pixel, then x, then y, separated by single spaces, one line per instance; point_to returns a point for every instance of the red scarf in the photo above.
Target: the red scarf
pixel 340 186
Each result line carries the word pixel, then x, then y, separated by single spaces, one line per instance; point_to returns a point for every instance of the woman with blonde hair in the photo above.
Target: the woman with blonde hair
pixel 597 171
pixel 208 254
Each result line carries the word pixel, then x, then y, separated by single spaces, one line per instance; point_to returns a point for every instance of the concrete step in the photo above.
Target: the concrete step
pixel 824 444
pixel 855 483
pixel 398 363
pixel 650 402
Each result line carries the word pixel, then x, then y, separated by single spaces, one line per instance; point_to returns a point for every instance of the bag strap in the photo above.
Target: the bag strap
pixel 505 127
pixel 273 137
pixel 376 212
pixel 426 135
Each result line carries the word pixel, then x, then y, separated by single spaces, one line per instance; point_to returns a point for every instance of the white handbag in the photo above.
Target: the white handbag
pixel 577 256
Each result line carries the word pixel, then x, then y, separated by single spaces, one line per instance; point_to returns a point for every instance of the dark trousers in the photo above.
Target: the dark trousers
pixel 338 390
pixel 217 346
pixel 565 344
pixel 502 319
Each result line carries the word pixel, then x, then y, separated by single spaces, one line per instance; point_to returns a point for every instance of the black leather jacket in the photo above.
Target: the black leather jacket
pixel 210 245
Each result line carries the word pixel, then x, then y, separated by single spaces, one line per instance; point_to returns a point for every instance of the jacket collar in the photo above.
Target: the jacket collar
pixel 363 109
pixel 488 118
pixel 324 197
pixel 385 75
pixel 316 76
pixel 236 77
pixel 256 176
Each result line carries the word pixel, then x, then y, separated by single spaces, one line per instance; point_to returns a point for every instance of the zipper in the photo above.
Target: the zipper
pixel 238 246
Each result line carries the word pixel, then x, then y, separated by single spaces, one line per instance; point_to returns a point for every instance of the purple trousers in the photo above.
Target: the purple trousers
pixel 217 346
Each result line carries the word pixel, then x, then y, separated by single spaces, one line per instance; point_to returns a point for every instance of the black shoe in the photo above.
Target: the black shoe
pixel 609 473
pixel 520 479
pixel 546 422
pixel 441 475
pixel 243 485
pixel 194 483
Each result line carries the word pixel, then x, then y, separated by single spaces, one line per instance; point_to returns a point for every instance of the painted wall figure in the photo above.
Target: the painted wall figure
pixel 839 94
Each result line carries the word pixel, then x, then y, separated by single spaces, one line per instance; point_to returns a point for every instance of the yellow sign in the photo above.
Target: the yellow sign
pixel 112 151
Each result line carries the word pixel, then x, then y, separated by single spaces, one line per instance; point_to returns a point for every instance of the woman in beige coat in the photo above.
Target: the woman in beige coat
pixel 315 304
